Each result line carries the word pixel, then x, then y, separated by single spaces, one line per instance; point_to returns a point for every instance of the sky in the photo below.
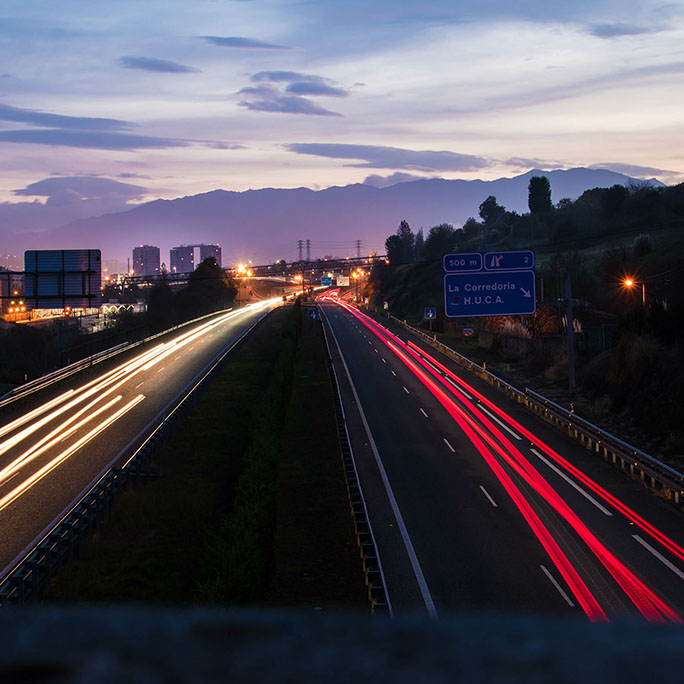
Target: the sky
pixel 107 104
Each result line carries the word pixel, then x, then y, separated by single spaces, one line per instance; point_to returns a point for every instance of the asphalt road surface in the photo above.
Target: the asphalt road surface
pixel 51 454
pixel 477 504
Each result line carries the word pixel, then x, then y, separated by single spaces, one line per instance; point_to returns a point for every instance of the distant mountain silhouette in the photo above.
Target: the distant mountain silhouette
pixel 264 225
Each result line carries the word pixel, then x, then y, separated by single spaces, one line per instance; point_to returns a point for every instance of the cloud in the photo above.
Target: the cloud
pixel 302 84
pixel 378 181
pixel 242 43
pixel 634 169
pixel 158 65
pixel 89 139
pixel 266 98
pixel 85 187
pixel 534 163
pixel 617 30
pixel 393 157
pixel 37 118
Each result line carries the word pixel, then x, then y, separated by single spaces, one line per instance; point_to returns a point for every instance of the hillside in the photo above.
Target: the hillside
pixel 265 224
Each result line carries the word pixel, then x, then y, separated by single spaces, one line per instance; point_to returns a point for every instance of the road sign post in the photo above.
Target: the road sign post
pixel 430 314
pixel 489 284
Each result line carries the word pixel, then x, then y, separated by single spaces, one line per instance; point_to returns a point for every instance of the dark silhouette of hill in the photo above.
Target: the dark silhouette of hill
pixel 265 224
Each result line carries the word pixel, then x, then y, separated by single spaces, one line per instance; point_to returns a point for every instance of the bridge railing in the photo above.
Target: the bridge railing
pixel 661 479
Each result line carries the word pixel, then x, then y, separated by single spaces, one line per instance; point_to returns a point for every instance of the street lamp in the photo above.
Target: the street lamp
pixel 629 283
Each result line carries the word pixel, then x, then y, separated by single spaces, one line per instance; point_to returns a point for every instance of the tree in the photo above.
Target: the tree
pixel 612 199
pixel 419 244
pixel 491 211
pixel 400 247
pixel 539 197
pixel 440 241
pixel 471 227
pixel 209 289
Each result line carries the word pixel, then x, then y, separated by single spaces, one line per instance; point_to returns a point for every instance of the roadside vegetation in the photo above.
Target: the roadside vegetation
pixel 238 514
pixel 630 356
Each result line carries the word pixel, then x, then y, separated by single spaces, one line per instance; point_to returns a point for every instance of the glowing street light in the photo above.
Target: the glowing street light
pixel 629 283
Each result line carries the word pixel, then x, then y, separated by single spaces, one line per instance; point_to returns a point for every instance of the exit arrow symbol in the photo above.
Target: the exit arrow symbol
pixel 526 293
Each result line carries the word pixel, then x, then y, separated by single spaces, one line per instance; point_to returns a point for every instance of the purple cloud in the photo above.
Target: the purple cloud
pixel 85 187
pixel 634 169
pixel 243 43
pixel 34 117
pixel 157 65
pixel 265 98
pixel 617 30
pixel 378 181
pixel 378 157
pixel 301 84
pixel 89 139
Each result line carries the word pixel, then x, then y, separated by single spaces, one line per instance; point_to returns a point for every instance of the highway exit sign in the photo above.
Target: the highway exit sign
pixel 489 284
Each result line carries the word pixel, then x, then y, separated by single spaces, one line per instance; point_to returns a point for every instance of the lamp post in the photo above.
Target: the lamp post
pixel 629 283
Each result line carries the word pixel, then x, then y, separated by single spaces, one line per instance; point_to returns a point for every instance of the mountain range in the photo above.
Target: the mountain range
pixel 265 225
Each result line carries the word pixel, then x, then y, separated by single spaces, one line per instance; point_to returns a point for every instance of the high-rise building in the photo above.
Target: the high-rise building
pixel 146 260
pixel 206 251
pixel 182 259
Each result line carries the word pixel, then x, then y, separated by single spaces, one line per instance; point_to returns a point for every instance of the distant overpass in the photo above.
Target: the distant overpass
pixel 286 271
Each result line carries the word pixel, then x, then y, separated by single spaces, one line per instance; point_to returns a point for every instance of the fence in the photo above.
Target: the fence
pixel 372 568
pixel 661 479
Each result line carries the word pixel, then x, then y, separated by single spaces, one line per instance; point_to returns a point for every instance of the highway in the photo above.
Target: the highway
pixel 53 451
pixel 477 504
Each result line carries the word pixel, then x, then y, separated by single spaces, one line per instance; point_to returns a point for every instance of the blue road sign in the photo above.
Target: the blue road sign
pixel 522 260
pixel 463 262
pixel 313 314
pixel 489 294
pixel 430 312
pixel 325 280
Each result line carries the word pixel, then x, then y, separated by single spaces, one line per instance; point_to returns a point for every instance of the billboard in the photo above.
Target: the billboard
pixel 61 278
pixel 342 281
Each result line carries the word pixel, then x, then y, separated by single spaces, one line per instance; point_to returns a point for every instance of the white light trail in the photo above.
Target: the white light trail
pixel 49 467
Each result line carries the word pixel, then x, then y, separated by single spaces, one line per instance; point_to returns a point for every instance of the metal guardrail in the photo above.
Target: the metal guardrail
pixel 660 478
pixel 372 567
pixel 60 545
pixel 62 373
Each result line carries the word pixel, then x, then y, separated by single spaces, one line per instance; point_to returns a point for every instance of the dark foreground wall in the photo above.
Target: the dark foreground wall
pixel 134 645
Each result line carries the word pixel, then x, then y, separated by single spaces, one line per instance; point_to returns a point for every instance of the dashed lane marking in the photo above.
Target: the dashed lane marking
pixel 558 586
pixel 486 493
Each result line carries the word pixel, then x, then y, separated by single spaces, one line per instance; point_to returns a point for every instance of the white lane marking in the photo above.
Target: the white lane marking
pixel 446 441
pixel 375 350
pixel 161 369
pixel 369 342
pixel 384 361
pixel 486 493
pixel 394 374
pixel 558 586
pixel 500 422
pixel 405 390
pixel 140 384
pixel 410 551
pixel 659 556
pixel 458 387
pixel 560 473
pixel 423 412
